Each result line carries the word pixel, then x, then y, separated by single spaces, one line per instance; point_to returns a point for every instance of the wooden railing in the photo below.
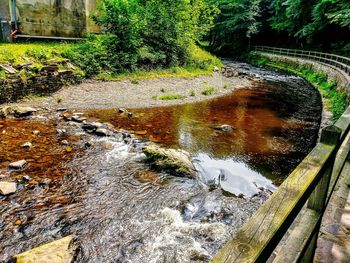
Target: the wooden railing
pixel 301 199
pixel 337 61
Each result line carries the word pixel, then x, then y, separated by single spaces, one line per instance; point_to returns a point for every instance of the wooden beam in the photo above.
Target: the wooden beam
pixel 260 235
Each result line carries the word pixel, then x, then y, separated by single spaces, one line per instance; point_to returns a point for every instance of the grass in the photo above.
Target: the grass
pixel 208 91
pixel 2 74
pixel 193 93
pixel 37 53
pixel 170 97
pixel 200 62
pixel 173 72
pixel 16 53
pixel 328 89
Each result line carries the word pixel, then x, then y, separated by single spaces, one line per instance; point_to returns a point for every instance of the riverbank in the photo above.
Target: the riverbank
pixel 331 87
pixel 37 69
pixel 242 144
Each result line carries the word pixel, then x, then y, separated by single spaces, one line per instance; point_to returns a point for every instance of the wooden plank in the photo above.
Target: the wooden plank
pixel 260 235
pixel 342 154
pixel 293 250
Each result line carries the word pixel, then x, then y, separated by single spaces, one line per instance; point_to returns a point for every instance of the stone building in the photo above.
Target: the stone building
pixel 47 18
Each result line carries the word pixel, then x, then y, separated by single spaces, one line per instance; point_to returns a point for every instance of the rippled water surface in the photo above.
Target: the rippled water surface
pixel 121 210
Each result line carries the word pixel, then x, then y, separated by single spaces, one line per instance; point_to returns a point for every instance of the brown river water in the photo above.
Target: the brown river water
pixel 120 209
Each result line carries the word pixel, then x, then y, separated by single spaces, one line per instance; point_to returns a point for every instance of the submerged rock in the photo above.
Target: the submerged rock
pixel 59 251
pixel 27 145
pixel 7 188
pixel 175 161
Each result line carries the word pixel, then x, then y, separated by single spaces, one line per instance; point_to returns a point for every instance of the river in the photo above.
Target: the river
pixel 120 209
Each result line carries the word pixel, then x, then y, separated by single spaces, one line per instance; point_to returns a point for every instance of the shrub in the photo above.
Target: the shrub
pixel 208 91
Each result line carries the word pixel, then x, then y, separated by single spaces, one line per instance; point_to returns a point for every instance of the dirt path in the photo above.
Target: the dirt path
pixel 95 94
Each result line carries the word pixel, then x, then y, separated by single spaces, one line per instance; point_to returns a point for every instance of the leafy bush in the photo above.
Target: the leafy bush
pixel 145 35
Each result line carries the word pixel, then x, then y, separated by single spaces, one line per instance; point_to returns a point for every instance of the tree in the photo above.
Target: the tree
pixel 236 23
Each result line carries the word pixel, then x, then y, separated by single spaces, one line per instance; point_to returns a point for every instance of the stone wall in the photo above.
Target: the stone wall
pixel 333 73
pixel 45 82
pixel 63 18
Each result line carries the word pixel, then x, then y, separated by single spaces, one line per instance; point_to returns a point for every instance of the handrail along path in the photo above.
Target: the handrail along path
pixel 305 193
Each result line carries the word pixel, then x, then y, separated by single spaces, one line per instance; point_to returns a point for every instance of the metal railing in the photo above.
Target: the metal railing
pixel 340 62
pixel 304 194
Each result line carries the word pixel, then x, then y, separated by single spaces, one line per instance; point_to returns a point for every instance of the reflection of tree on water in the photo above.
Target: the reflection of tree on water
pixel 264 139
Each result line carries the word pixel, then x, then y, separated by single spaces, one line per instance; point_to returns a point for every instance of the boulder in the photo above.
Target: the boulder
pixel 59 251
pixel 16 111
pixel 7 188
pixel 177 162
pixel 19 165
pixel 23 111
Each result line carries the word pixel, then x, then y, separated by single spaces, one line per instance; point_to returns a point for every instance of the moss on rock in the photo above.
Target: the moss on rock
pixel 174 161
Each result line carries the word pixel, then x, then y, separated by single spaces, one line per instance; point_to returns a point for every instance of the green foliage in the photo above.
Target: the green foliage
pixel 323 24
pixel 236 23
pixel 145 34
pixel 339 13
pixel 2 74
pixel 208 91
pixel 305 20
pixel 38 54
pixel 170 97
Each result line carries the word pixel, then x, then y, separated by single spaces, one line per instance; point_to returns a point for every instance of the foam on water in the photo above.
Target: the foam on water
pixel 184 240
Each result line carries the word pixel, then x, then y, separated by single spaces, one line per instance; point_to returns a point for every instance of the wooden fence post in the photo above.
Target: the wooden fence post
pixel 330 135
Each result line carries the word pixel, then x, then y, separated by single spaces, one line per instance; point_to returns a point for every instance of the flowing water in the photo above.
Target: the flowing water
pixel 121 210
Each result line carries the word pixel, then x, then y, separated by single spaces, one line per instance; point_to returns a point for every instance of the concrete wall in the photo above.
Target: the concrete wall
pixel 65 18
pixel 4 10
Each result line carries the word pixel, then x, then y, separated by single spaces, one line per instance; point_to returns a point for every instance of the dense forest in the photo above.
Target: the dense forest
pixel 316 24
pixel 165 33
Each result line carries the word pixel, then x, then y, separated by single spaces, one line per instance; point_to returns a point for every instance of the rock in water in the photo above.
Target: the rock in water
pixel 26 145
pixel 175 161
pixel 224 128
pixel 102 132
pixel 59 251
pixel 6 112
pixel 7 188
pixel 23 111
pixel 19 165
